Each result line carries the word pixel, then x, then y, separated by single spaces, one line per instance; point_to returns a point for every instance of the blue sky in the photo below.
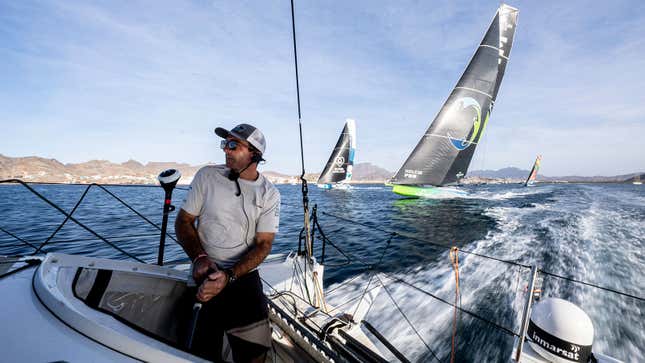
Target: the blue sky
pixel 150 80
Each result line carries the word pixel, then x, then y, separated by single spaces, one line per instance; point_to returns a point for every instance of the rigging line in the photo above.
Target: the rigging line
pixel 408 320
pixel 133 210
pixel 592 285
pixel 32 190
pixel 295 296
pixel 296 266
pixel 108 184
pixel 503 328
pixel 29 263
pixel 67 217
pixel 387 245
pixel 520 265
pixel 295 61
pixel 344 283
pixel 125 204
pixel 337 307
pixel 304 188
pixel 112 237
pixel 325 239
pixel 423 240
pixel 18 238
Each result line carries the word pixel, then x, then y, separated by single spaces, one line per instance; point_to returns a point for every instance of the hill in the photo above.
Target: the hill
pixel 37 169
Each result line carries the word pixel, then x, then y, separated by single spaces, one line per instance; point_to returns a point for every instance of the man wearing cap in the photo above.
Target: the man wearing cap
pixel 226 226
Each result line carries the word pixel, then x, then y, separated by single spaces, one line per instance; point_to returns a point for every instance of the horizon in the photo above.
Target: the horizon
pixel 313 172
pixel 114 82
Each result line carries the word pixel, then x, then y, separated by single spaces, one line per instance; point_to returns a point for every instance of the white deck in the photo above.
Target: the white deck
pixel 30 333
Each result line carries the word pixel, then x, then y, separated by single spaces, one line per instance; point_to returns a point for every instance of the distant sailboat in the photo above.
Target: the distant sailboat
pixel 442 156
pixel 533 174
pixel 637 180
pixel 338 170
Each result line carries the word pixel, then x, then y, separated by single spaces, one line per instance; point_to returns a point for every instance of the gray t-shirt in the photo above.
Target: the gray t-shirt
pixel 227 223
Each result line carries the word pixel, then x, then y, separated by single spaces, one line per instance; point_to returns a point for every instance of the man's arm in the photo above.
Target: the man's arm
pixel 187 234
pixel 254 257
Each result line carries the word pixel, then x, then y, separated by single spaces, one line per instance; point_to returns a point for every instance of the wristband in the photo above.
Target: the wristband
pixel 199 256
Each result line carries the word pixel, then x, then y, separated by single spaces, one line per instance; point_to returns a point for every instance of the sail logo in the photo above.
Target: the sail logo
pixel 339 161
pixel 412 174
pixel 469 104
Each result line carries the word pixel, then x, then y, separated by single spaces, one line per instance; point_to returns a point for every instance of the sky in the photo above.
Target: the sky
pixel 150 80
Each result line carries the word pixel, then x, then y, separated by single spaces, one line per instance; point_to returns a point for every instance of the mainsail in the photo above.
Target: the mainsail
pixel 340 163
pixel 534 171
pixel 444 152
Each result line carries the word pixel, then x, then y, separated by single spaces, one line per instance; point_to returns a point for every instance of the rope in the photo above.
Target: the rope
pixel 474 315
pixel 108 184
pixel 18 238
pixel 592 285
pixel 454 260
pixel 134 211
pixel 387 245
pixel 69 216
pixel 408 320
pixel 29 263
pixel 514 263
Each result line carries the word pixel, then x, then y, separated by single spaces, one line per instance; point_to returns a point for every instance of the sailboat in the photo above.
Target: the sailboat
pixel 637 180
pixel 442 156
pixel 83 308
pixel 533 174
pixel 338 170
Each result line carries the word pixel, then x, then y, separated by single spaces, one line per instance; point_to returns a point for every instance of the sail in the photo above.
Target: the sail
pixel 340 163
pixel 443 154
pixel 534 171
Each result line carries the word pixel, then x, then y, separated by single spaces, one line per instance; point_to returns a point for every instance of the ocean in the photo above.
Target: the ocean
pixel 589 232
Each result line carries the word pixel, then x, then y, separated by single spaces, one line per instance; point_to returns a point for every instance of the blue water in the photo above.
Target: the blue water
pixel 593 233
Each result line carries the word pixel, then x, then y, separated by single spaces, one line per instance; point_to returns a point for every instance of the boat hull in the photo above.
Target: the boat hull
pixel 419 191
pixel 329 186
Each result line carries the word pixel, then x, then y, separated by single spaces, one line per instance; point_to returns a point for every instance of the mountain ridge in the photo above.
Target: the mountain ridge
pixel 48 170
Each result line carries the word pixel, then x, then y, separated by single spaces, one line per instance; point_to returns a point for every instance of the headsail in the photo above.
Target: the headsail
pixel 444 152
pixel 340 163
pixel 534 171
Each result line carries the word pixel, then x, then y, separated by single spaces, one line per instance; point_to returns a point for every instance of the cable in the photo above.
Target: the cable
pixel 477 316
pixel 592 285
pixel 387 245
pixel 108 184
pixel 29 263
pixel 408 320
pixel 425 241
pixel 19 239
pixel 69 216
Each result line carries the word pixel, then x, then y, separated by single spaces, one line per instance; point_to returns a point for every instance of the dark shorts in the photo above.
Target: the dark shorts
pixel 241 312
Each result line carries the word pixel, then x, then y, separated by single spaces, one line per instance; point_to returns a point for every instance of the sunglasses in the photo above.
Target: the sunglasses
pixel 230 144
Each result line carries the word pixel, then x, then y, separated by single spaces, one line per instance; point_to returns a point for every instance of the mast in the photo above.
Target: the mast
pixel 443 154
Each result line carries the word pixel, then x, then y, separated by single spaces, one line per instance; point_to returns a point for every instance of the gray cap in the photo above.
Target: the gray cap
pixel 247 133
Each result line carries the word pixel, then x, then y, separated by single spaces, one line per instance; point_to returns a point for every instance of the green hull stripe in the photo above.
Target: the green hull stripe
pixel 414 191
pixel 425 192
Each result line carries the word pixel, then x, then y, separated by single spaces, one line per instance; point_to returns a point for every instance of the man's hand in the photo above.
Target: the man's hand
pixel 213 285
pixel 201 266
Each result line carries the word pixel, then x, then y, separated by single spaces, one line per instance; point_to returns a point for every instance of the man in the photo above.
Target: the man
pixel 237 211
